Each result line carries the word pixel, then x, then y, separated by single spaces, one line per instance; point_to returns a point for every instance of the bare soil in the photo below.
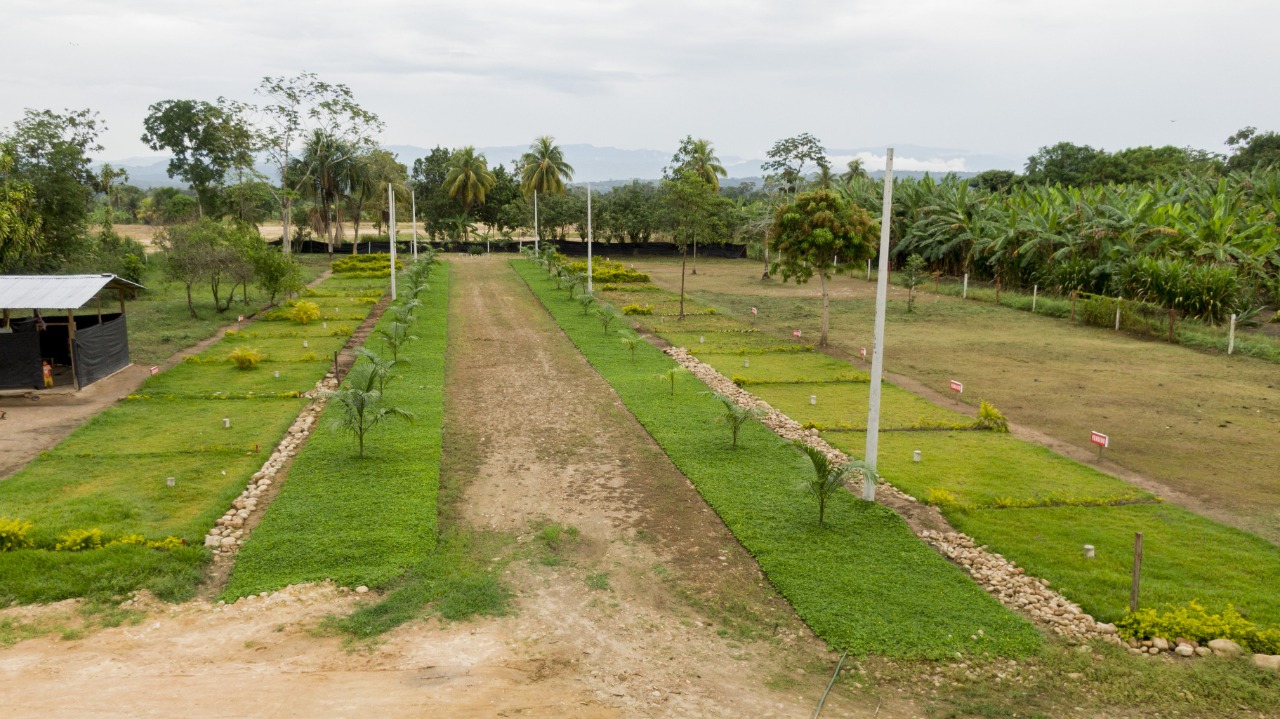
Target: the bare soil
pixel 656 610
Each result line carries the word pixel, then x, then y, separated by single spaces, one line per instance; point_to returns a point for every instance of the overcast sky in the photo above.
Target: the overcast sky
pixel 990 77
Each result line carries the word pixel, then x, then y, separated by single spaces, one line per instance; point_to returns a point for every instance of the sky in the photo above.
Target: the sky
pixel 982 82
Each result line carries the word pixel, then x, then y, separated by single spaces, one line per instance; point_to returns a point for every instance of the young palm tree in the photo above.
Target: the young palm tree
pixel 736 415
pixel 361 403
pixel 828 477
pixel 543 169
pixel 469 179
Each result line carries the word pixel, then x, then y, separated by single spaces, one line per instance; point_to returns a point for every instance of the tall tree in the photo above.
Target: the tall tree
pixel 323 167
pixel 811 231
pixel 19 224
pixel 1251 150
pixel 693 210
pixel 790 160
pixel 696 158
pixel 543 170
pixel 49 154
pixel 295 107
pixel 853 169
pixel 434 204
pixel 469 179
pixel 207 141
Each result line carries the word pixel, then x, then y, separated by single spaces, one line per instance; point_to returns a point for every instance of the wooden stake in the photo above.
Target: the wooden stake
pixel 1137 571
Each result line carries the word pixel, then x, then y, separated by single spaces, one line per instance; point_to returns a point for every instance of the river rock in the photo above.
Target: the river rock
pixel 1225 648
pixel 1184 650
pixel 1267 661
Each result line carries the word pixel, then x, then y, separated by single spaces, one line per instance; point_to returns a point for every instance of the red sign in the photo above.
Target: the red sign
pixel 1100 439
pixel 753 311
pixel 155 370
pixel 241 319
pixel 957 387
pixel 863 351
pixel 795 333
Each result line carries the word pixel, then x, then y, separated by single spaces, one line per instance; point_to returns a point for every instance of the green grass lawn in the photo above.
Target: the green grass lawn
pixel 1185 557
pixel 784 367
pixel 732 342
pixel 160 324
pixel 862 581
pixel 979 468
pixel 111 473
pixel 844 405
pixel 279 349
pixel 361 520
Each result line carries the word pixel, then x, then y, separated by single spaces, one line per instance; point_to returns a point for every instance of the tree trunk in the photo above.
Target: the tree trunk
pixel 682 256
pixel 190 305
pixel 695 253
pixel 826 309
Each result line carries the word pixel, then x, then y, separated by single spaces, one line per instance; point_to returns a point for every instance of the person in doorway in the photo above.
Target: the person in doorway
pixel 40 323
pixel 48 374
pixel 5 328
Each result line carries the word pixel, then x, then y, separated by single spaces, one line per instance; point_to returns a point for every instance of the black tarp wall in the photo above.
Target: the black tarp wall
pixel 20 358
pixel 101 349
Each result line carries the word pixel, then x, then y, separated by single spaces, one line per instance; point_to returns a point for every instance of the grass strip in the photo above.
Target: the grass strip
pixel 361 520
pixel 862 582
pixel 111 475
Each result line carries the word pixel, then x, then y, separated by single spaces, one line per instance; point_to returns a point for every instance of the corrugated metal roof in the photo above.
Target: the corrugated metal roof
pixel 56 292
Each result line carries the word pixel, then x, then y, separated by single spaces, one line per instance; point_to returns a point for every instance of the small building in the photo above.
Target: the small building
pixel 41 324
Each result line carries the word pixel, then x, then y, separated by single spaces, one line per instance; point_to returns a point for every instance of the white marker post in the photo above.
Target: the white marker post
pixel 964 295
pixel 391 225
pixel 588 238
pixel 877 348
pixel 413 202
pixel 1035 293
pixel 1101 440
pixel 536 248
pixel 1231 336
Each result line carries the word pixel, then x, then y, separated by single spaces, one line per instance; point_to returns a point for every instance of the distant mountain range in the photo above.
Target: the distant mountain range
pixel 608 166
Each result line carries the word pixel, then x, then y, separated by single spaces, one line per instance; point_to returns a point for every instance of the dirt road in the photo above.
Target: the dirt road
pixel 654 611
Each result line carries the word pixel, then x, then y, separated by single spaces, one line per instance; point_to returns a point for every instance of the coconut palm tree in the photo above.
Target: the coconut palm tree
pixel 855 169
pixel 543 169
pixel 704 163
pixel 469 179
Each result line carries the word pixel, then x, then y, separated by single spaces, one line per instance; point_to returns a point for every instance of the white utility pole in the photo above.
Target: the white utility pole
pixel 413 203
pixel 536 249
pixel 877 349
pixel 391 205
pixel 589 238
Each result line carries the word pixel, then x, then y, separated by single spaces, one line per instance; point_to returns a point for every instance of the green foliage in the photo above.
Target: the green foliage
pixel 206 142
pixel 991 418
pixel 587 302
pixel 303 312
pixel 637 309
pixel 1195 623
pixel 79 540
pixel 631 342
pixel 245 358
pixel 13 534
pixel 827 479
pixel 735 415
pixel 912 603
pixel 364 522
pixel 358 266
pixel 607 314
pixel 912 276
pixel 608 271
pixel 361 404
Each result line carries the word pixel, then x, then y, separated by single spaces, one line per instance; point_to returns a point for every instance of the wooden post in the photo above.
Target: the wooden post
pixel 1035 294
pixel 99 309
pixel 71 345
pixel 1231 338
pixel 1137 571
pixel 120 293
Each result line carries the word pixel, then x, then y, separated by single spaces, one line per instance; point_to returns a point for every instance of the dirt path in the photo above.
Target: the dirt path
pixel 656 610
pixel 31 427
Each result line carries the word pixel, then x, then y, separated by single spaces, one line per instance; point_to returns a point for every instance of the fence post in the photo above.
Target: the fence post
pixel 1035 294
pixel 1137 571
pixel 1118 302
pixel 1231 337
pixel 964 294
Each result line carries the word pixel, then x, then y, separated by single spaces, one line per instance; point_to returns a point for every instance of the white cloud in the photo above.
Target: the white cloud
pixel 999 77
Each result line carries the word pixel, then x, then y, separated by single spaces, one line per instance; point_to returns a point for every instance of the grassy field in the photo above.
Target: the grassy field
pixel 864 563
pixel 362 520
pixel 1168 409
pixel 111 474
pixel 160 324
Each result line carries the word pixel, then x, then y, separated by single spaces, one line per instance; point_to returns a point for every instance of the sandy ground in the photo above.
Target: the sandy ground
pixel 686 627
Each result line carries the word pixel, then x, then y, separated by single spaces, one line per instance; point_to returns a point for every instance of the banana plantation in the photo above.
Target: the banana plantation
pixel 1204 247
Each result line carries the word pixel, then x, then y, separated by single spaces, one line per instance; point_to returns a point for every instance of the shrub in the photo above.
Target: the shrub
pixel 636 308
pixel 166 544
pixel 245 358
pixel 941 498
pixel 304 312
pixel 341 331
pixel 1194 623
pixel 13 534
pixel 135 539
pixel 990 418
pixel 606 271
pixel 79 540
pixel 359 264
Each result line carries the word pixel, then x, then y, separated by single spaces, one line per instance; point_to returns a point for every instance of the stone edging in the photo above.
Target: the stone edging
pixel 229 532
pixel 1004 580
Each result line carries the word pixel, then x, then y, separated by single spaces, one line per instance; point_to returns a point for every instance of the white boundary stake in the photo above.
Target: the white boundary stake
pixel 964 295
pixel 413 210
pixel 1101 440
pixel 1231 336
pixel 1035 293
pixel 588 238
pixel 391 225
pixel 877 346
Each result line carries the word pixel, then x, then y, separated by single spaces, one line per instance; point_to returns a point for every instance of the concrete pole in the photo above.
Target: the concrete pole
pixel 1231 338
pixel 536 248
pixel 391 225
pixel 877 349
pixel 413 203
pixel 589 287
